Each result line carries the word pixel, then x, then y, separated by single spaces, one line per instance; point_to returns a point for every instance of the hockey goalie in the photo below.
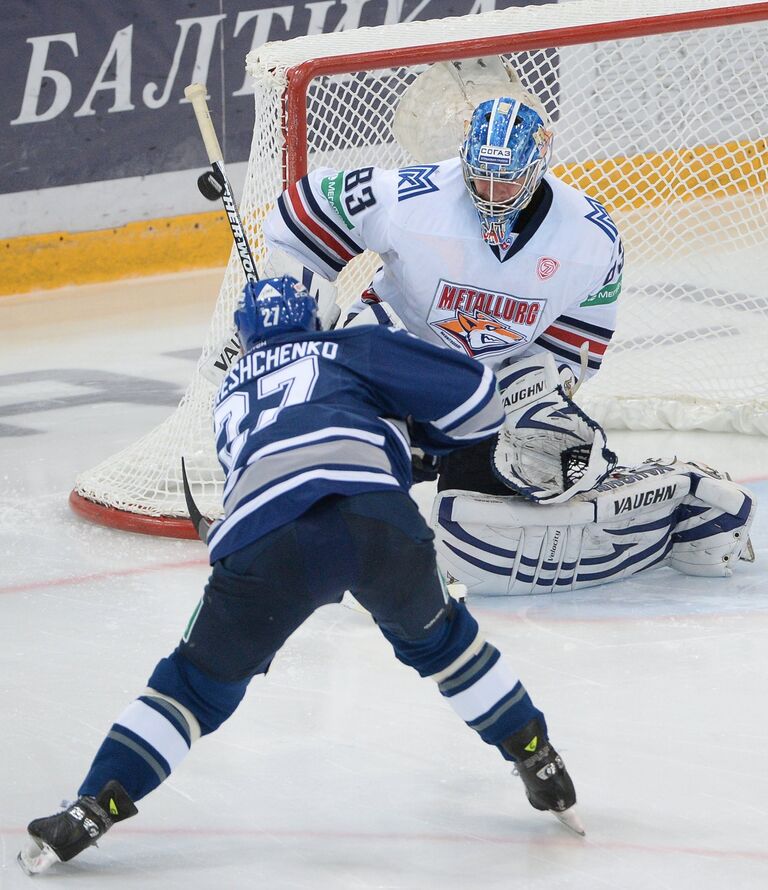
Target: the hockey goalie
pixel 488 253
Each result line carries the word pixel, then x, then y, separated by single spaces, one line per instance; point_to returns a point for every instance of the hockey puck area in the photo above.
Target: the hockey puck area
pixel 210 186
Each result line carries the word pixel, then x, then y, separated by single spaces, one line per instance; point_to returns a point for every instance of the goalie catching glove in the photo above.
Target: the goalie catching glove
pixel 548 449
pixel 659 513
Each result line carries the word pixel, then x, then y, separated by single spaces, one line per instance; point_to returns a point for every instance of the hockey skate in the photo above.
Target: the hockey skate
pixel 546 780
pixel 61 837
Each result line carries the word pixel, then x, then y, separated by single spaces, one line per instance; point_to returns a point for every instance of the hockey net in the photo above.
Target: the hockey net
pixel 660 109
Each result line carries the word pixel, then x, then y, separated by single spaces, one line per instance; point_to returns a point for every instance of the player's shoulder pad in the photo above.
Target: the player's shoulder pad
pixel 449 360
pixel 417 180
pixel 575 205
pixel 352 194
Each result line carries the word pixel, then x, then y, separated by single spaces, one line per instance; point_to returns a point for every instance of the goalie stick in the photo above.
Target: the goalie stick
pixel 215 184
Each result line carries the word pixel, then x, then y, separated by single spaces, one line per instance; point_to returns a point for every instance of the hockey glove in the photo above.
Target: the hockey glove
pixel 548 449
pixel 425 467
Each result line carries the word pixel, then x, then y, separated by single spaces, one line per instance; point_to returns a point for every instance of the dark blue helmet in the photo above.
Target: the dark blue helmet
pixel 274 306
pixel 506 141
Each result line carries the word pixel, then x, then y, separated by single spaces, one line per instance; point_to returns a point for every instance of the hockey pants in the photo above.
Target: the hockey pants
pixel 375 545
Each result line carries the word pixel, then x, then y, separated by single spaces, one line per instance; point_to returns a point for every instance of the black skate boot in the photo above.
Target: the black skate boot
pixel 546 780
pixel 61 837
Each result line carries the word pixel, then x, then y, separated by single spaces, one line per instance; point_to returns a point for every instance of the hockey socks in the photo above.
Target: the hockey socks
pixel 155 732
pixel 486 694
pixel 472 675
pixel 146 742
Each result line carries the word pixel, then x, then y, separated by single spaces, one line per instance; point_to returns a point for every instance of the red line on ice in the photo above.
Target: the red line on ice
pixel 101 576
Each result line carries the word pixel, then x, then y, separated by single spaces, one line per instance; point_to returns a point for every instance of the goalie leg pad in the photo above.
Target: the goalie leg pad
pixel 498 546
pixel 659 513
pixel 712 531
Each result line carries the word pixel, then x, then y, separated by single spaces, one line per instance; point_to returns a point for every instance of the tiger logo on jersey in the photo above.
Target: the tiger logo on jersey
pixel 478 333
pixel 482 322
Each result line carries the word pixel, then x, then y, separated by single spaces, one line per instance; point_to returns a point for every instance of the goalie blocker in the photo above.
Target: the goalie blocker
pixel 659 513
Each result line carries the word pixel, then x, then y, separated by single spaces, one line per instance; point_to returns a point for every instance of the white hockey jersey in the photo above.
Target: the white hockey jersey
pixel 554 288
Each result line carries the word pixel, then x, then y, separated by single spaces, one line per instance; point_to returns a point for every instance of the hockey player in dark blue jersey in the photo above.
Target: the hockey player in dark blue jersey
pixel 314 431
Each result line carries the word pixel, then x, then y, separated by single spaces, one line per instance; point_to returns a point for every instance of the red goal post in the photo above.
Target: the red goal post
pixel 660 109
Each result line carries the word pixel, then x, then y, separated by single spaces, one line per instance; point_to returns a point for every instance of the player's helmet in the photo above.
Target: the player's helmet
pixel 274 306
pixel 505 141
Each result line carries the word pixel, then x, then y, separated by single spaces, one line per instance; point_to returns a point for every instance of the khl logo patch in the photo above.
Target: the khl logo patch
pixel 546 267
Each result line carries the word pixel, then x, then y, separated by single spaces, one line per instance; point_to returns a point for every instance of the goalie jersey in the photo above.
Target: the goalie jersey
pixel 554 288
pixel 322 413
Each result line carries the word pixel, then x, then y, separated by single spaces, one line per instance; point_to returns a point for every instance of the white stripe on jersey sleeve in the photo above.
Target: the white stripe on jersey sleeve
pixel 395 427
pixel 487 382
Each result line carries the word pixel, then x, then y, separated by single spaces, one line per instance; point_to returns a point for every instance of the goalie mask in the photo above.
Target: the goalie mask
pixel 271 307
pixel 504 156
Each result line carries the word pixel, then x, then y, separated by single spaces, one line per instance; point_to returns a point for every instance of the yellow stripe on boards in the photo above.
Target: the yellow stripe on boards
pixel 150 247
pixel 683 174
pixel 199 241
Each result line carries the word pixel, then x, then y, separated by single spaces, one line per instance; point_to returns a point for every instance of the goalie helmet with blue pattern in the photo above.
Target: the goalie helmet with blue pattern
pixel 506 142
pixel 274 306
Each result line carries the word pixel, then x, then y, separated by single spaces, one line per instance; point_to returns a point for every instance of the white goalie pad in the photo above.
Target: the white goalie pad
pixel 658 513
pixel 548 449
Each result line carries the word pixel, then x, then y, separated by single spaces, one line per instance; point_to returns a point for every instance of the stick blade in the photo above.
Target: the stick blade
pixel 199 521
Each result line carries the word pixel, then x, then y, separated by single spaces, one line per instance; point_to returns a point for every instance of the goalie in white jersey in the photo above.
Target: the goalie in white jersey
pixel 491 255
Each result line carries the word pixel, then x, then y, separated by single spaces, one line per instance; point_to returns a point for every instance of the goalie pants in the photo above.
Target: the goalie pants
pixel 376 545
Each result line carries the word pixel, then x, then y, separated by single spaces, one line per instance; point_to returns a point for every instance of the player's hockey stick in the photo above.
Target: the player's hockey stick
pixel 215 184
pixel 196 517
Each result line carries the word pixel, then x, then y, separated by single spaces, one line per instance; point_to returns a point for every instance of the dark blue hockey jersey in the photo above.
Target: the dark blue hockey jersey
pixel 313 414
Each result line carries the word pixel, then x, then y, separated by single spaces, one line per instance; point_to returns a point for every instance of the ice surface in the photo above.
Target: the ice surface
pixel 343 769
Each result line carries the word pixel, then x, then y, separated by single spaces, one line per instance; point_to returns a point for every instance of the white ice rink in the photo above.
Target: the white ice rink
pixel 343 770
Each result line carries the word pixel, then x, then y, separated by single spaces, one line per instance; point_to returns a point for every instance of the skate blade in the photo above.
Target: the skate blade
pixel 457 590
pixel 36 857
pixel 570 819
pixel 349 602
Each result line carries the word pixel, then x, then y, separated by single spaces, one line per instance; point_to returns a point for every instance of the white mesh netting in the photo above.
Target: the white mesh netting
pixel 669 131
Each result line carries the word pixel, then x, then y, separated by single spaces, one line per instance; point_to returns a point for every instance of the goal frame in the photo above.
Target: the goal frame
pixel 293 116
